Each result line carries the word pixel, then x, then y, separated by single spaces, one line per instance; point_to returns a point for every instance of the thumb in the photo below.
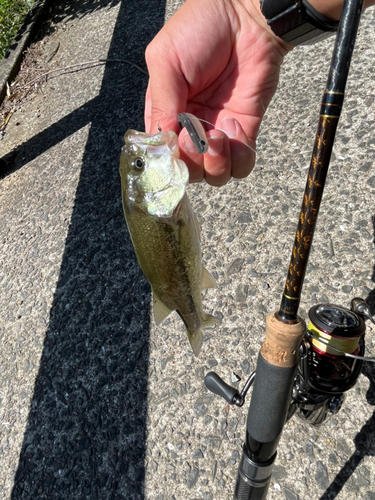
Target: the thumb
pixel 166 94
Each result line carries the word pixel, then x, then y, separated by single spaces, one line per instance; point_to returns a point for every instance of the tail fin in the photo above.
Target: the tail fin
pixel 196 337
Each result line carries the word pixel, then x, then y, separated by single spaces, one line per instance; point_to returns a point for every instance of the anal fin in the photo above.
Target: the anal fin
pixel 161 311
pixel 210 321
pixel 196 341
pixel 208 281
pixel 196 337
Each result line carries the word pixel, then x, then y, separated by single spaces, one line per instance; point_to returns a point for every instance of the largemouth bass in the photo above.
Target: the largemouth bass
pixel 164 229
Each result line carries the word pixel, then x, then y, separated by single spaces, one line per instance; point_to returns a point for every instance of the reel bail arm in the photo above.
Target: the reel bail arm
pixel 361 307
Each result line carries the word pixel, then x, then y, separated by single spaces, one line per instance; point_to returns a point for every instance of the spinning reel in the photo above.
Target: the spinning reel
pixel 330 361
pixel 331 358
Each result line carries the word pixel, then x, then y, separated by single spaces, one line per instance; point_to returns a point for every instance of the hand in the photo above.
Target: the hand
pixel 218 60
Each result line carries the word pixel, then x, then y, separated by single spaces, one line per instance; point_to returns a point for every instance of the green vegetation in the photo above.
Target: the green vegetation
pixel 12 14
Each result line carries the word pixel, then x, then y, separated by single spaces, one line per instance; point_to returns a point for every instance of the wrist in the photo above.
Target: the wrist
pixel 254 8
pixel 298 22
pixel 331 9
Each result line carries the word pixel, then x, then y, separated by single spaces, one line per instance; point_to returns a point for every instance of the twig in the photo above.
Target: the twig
pixel 7 118
pixel 97 62
pixel 53 53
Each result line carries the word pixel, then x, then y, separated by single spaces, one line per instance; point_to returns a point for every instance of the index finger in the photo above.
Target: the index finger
pixel 167 90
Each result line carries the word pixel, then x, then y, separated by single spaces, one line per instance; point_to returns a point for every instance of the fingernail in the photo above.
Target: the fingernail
pixel 215 145
pixel 229 126
pixel 189 145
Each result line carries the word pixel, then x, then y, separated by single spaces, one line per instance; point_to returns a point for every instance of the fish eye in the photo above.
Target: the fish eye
pixel 138 163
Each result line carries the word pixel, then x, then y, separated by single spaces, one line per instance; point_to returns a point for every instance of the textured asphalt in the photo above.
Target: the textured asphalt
pixel 98 403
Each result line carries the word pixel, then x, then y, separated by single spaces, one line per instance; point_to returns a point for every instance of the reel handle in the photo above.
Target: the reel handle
pixel 216 384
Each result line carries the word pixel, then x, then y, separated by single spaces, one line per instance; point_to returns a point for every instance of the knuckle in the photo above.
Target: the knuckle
pixel 150 52
pixel 216 182
pixel 240 170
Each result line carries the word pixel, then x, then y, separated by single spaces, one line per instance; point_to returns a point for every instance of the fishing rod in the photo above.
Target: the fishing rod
pixel 298 369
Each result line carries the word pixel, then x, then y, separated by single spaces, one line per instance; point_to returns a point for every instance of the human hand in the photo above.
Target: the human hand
pixel 218 60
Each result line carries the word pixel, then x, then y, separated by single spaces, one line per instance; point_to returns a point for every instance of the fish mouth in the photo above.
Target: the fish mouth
pixel 142 143
pixel 161 183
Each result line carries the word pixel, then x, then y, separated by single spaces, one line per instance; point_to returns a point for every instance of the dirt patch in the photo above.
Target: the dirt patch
pixel 39 60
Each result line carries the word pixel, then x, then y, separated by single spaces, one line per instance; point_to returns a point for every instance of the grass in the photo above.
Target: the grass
pixel 12 14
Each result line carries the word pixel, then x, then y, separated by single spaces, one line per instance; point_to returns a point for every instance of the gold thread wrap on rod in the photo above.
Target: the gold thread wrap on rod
pixel 330 110
pixel 310 206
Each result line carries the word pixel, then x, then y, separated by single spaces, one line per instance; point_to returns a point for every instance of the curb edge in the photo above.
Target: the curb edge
pixel 11 63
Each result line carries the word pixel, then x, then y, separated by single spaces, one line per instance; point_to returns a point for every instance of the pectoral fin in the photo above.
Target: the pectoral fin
pixel 161 311
pixel 207 280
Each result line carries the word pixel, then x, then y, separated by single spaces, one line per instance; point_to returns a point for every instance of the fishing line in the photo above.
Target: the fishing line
pixel 78 67
pixel 324 341
pixel 346 354
pixel 221 130
pixel 197 133
pixel 334 329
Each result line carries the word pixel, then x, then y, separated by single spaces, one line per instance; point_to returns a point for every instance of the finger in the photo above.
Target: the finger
pixel 193 160
pixel 147 116
pixel 242 150
pixel 167 93
pixel 217 161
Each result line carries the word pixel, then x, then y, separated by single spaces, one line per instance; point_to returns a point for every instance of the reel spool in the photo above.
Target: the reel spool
pixel 333 331
pixel 325 370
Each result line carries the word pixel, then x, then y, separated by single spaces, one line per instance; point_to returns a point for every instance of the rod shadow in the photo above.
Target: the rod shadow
pixel 371 297
pixel 365 439
pixel 364 442
pixel 85 435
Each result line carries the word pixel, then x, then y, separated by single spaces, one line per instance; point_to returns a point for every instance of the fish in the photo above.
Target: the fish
pixel 164 229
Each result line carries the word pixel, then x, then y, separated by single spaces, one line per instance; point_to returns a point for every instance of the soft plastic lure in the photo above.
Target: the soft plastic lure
pixel 195 130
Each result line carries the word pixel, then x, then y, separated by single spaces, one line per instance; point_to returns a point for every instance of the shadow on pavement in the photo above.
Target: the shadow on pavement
pixel 365 439
pixel 142 23
pixel 364 442
pixel 85 436
pixel 371 298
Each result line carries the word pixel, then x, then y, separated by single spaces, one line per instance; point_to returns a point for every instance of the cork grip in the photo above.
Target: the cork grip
pixel 280 347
